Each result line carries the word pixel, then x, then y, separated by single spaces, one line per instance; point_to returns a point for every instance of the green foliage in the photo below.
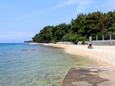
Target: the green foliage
pixel 113 35
pixel 70 37
pixel 80 28
pixel 112 28
pixel 45 35
pixel 60 31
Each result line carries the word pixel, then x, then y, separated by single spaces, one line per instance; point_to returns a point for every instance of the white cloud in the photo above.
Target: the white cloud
pixel 65 3
pixel 80 5
pixel 83 5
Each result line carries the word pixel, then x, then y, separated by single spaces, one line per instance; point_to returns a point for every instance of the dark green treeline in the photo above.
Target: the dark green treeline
pixel 80 28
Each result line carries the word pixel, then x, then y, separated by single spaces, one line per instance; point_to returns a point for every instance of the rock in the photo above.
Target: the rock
pixel 83 77
pixel 81 83
pixel 107 83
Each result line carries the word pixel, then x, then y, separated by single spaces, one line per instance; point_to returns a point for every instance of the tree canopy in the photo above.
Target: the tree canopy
pixel 80 28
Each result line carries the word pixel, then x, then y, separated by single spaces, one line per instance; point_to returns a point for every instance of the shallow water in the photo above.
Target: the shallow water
pixel 35 65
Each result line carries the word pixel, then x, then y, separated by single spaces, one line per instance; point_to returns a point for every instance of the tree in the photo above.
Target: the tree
pixel 45 35
pixel 60 31
pixel 80 28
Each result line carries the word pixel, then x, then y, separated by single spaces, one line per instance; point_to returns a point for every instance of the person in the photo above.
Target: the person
pixel 90 43
pixel 90 46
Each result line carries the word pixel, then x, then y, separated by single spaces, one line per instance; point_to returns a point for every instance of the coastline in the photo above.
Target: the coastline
pixel 100 54
pixel 103 68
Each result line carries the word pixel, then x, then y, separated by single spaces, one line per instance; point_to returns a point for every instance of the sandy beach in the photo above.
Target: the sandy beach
pixel 101 54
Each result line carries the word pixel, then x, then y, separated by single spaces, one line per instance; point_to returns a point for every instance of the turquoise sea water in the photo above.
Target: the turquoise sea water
pixel 34 65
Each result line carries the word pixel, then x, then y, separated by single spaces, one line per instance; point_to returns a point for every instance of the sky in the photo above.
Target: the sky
pixel 20 20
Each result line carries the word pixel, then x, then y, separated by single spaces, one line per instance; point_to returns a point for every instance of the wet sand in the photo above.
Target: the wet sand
pixel 104 55
pixel 100 54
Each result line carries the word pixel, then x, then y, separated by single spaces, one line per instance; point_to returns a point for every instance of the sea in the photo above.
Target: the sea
pixel 35 65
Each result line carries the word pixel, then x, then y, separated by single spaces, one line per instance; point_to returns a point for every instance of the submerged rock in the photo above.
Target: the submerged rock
pixel 83 77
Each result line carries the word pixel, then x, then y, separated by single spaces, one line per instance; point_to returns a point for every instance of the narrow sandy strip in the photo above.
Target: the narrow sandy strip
pixel 98 53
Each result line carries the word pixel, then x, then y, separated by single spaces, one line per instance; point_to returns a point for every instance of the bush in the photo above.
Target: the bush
pixel 113 35
pixel 70 37
pixel 74 38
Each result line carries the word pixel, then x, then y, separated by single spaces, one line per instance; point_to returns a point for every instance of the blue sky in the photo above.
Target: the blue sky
pixel 22 19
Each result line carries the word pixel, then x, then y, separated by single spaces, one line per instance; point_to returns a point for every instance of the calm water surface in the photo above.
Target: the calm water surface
pixel 34 65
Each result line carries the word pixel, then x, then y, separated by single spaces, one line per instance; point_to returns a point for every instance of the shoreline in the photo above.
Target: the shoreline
pixel 103 57
pixel 100 54
pixel 103 68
